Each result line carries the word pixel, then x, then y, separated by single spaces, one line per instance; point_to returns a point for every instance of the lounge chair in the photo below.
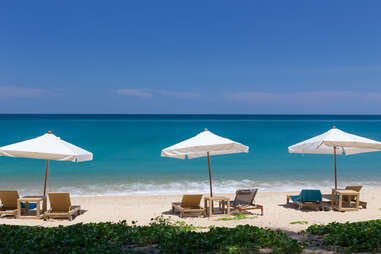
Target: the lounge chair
pixel 60 206
pixel 244 200
pixel 307 198
pixel 353 198
pixel 190 203
pixel 9 203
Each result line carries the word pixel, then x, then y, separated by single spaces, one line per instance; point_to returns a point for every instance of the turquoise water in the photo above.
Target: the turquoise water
pixel 127 150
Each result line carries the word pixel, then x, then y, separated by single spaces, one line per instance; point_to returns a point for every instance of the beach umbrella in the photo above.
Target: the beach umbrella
pixel 46 147
pixel 335 142
pixel 204 144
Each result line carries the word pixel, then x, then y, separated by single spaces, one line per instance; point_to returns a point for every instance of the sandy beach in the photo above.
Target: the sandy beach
pixel 142 208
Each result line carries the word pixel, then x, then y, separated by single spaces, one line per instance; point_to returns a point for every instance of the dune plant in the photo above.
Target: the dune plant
pixel 161 236
pixel 350 237
pixel 240 216
pixel 302 222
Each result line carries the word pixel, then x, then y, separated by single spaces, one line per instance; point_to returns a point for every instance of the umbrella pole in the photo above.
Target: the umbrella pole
pixel 44 204
pixel 46 176
pixel 210 176
pixel 334 158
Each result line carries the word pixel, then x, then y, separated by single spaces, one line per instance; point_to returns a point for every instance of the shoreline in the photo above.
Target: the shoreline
pixel 141 208
pixel 182 187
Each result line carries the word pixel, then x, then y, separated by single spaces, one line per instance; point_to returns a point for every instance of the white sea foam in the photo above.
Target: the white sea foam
pixel 183 187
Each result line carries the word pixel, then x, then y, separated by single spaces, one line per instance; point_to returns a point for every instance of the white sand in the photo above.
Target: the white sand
pixel 143 208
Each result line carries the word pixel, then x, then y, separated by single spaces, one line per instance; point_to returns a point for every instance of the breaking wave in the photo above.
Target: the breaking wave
pixel 183 187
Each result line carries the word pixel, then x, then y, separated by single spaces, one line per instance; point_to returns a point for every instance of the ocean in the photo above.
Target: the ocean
pixel 127 150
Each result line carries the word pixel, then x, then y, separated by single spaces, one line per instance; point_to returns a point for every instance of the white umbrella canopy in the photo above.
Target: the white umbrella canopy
pixel 344 142
pixel 204 144
pixel 334 142
pixel 46 147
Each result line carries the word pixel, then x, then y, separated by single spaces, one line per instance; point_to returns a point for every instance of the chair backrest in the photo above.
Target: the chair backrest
pixel 60 202
pixel 310 196
pixel 191 200
pixel 9 199
pixel 245 197
pixel 354 188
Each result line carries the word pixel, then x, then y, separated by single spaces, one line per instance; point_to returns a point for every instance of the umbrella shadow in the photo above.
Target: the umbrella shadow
pixel 34 213
pixel 325 207
pixel 7 216
pixel 168 212
pixel 216 211
pixel 177 213
pixel 81 212
pixel 327 196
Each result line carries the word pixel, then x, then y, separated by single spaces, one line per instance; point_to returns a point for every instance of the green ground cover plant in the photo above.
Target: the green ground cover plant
pixel 302 222
pixel 240 216
pixel 161 236
pixel 350 237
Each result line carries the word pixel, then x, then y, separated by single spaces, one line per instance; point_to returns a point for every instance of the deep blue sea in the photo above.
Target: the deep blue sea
pixel 127 150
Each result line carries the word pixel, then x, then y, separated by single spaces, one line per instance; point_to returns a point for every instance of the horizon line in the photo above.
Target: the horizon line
pixel 197 114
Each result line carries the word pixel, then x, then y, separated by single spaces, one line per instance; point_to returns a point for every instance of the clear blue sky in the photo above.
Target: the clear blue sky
pixel 190 56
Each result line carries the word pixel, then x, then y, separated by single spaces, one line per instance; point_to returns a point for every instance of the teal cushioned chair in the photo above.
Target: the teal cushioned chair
pixel 307 197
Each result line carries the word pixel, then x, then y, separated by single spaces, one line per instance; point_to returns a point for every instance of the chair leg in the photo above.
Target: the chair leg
pixel 260 207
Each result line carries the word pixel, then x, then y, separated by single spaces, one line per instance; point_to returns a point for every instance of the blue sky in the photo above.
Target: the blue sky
pixel 245 57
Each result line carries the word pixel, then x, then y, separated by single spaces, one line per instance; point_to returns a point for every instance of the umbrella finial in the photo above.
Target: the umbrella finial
pixel 50 132
pixel 205 129
pixel 334 127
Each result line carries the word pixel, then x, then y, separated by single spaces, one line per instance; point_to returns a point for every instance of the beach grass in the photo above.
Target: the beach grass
pixel 240 216
pixel 302 222
pixel 188 227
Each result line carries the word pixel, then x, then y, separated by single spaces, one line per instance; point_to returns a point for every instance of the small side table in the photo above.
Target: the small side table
pixel 341 193
pixel 209 210
pixel 27 200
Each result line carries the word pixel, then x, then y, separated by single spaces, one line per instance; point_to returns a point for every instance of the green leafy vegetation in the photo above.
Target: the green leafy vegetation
pixel 184 225
pixel 160 236
pixel 350 237
pixel 302 222
pixel 240 216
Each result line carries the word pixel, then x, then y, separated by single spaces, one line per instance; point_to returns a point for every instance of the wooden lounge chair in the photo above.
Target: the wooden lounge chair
pixel 312 198
pixel 353 198
pixel 244 200
pixel 9 203
pixel 60 206
pixel 190 203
